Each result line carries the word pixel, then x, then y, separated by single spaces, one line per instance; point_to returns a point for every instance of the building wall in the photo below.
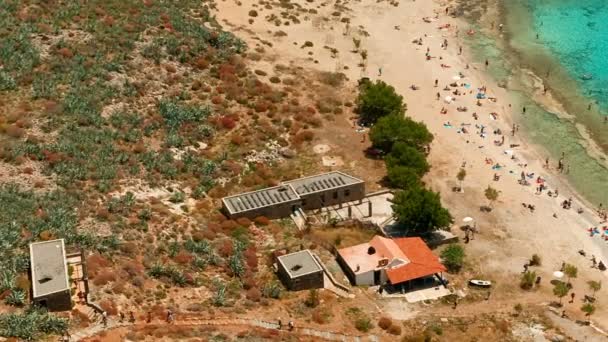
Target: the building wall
pixel 322 199
pixel 59 301
pixel 349 273
pixel 305 282
pixel 272 212
pixel 366 278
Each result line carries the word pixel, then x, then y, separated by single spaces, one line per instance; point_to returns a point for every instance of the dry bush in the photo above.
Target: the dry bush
pixel 109 307
pixel 228 122
pixel 249 282
pixel 119 287
pixel 104 277
pixel 385 323
pixel 65 53
pixel 183 258
pixel 201 63
pixel 302 137
pixel 321 316
pixel 251 258
pixel 254 294
pixel 129 248
pixel 226 249
pixel 170 68
pixel 262 220
pixel 47 235
pixel 243 221
pixel 27 170
pixel 133 268
pixel 15 131
pixel 95 263
pixel 394 329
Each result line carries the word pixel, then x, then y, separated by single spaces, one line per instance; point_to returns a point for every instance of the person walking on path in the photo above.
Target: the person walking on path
pixel 104 319
pixel 290 325
pixel 280 323
pixel 121 316
pixel 131 317
pixel 572 295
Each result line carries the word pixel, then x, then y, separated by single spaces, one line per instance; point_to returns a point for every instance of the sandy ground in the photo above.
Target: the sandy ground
pixel 510 233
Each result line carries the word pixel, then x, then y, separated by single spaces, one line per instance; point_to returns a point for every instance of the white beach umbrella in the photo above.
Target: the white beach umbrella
pixel 449 99
pixel 456 78
pixel 467 219
pixel 558 274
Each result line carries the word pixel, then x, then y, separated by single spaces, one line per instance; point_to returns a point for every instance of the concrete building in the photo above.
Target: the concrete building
pixel 49 272
pixel 400 261
pixel 300 271
pixel 306 193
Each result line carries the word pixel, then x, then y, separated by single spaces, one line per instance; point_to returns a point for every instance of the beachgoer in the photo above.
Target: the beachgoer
pixel 500 27
pixel 379 71
pixel 487 63
pixel 436 82
pixel 589 107
pixel 572 297
pixel 438 96
pixel 593 261
pixel 524 110
pixel 460 50
pixel 455 303
pixel 526 265
pixel 564 314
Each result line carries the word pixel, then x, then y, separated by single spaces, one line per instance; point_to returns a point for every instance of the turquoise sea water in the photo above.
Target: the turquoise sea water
pixel 556 42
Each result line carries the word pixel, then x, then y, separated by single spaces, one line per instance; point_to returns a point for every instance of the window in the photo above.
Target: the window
pixel 346 192
pixel 335 195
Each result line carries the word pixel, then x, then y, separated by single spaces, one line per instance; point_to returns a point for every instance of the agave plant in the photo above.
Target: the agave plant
pixel 219 299
pixel 15 298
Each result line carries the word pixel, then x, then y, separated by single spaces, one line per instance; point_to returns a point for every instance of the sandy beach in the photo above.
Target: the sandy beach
pixel 510 233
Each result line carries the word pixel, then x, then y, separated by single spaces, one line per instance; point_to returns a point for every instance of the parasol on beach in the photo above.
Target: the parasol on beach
pixel 456 78
pixel 558 274
pixel 449 99
pixel 467 219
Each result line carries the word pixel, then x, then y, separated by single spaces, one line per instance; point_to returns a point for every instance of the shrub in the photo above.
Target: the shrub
pixel 104 277
pixel 254 294
pixel 363 324
pixel 385 323
pixel 228 122
pixel 527 280
pixel 109 307
pixel 312 301
pixel 453 257
pixel 535 260
pixel 261 220
pixel 253 13
pixel 395 330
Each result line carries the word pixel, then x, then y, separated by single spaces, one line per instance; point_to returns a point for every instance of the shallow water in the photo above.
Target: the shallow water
pixel 572 40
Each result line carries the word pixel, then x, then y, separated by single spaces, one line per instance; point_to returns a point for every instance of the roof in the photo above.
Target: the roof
pixel 322 182
pixel 261 198
pixel 289 191
pixel 414 258
pixel 300 263
pixel 422 261
pixel 360 260
pixel 49 268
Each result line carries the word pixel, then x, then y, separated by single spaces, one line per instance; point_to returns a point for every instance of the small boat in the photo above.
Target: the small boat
pixel 587 77
pixel 480 283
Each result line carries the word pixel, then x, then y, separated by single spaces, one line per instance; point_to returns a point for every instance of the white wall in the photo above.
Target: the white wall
pixel 366 278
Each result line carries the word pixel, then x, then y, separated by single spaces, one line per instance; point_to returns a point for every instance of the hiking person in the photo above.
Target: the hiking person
pixel 572 295
pixel 122 317
pixel 280 323
pixel 104 319
pixel 290 325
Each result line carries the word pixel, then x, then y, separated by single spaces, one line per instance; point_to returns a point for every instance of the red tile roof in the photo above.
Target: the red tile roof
pixel 422 262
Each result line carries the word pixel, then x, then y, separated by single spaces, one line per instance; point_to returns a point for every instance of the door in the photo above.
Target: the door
pixel 377 277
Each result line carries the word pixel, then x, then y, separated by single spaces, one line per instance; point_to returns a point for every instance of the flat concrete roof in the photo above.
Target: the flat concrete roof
pixel 261 198
pixel 49 267
pixel 300 263
pixel 322 182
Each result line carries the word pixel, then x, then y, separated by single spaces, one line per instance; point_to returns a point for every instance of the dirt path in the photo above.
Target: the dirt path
pixel 201 321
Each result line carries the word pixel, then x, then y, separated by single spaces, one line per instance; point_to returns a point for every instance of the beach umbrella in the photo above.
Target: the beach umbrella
pixel 456 78
pixel 449 99
pixel 558 274
pixel 467 219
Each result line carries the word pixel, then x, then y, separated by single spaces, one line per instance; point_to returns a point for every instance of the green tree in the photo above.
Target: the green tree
pixel 377 100
pixel 453 257
pixel 594 286
pixel 391 129
pixel 419 211
pixel 527 280
pixel 588 309
pixel 570 271
pixel 405 155
pixel 491 195
pixel 460 176
pixel 402 177
pixel 560 290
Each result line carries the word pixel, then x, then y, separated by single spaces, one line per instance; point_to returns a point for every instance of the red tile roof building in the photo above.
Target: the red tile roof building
pixel 385 260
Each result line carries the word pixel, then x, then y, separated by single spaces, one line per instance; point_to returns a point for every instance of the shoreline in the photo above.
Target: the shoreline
pixel 528 84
